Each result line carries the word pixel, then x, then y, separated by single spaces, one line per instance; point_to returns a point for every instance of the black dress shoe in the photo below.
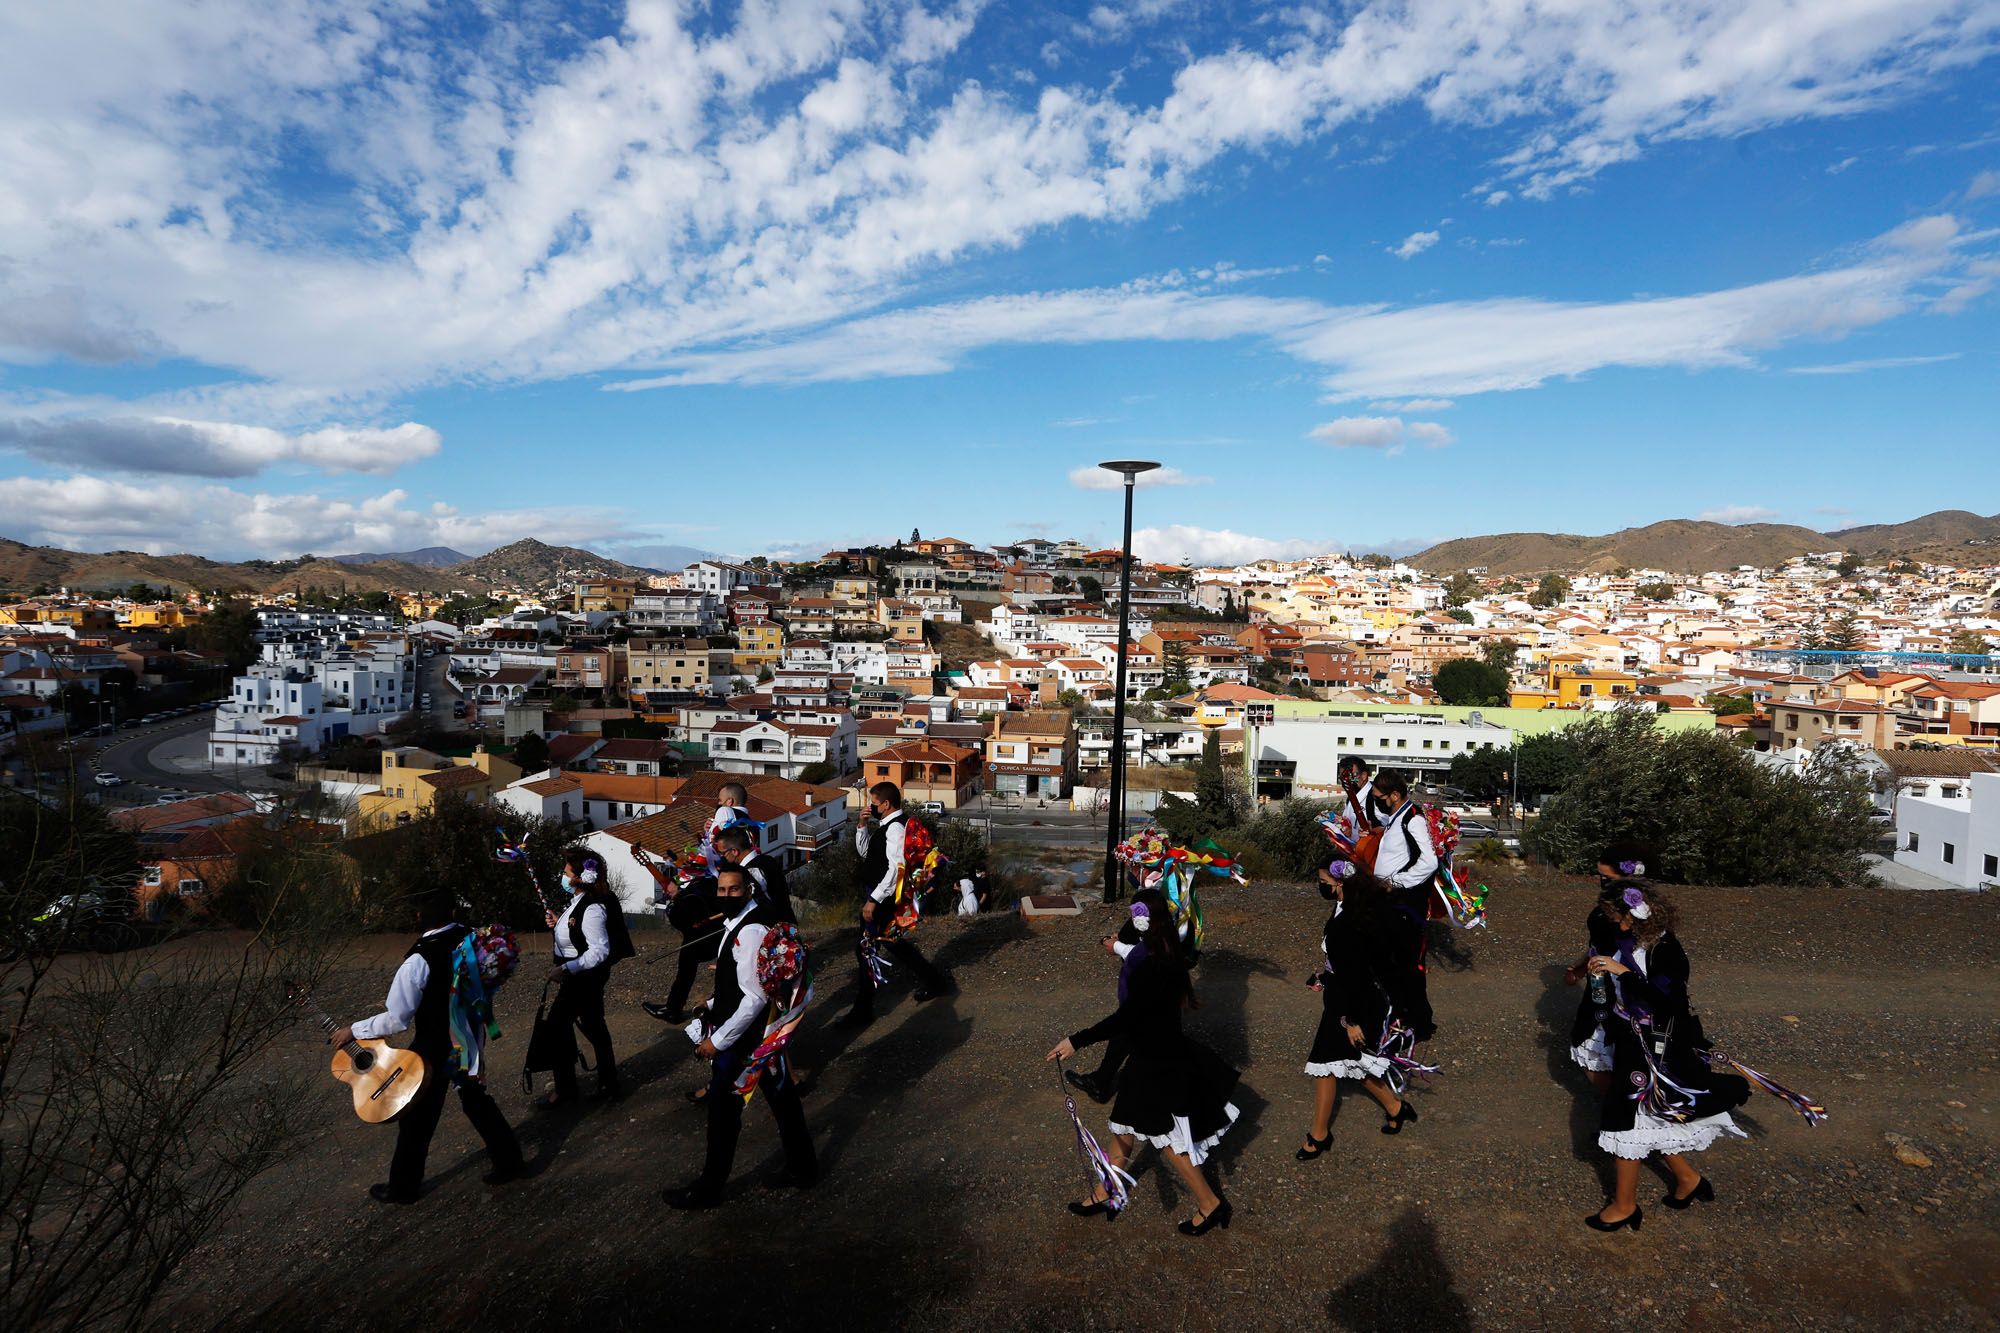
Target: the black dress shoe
pixel 384 1194
pixel 789 1179
pixel 691 1198
pixel 1314 1147
pixel 1406 1114
pixel 664 1013
pixel 1702 1191
pixel 1219 1218
pixel 507 1175
pixel 1597 1223
pixel 1093 1209
pixel 1089 1085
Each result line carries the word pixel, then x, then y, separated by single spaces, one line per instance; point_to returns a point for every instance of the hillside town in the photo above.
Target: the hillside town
pixel 972 675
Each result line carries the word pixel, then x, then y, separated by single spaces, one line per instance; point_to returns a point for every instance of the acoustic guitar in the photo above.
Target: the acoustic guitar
pixel 384 1078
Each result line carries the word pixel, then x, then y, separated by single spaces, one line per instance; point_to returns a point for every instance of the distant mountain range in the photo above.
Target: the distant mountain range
pixel 438 557
pixel 533 564
pixel 1690 546
pixel 667 559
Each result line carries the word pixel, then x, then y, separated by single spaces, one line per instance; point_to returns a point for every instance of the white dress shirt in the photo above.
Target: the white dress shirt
pixel 1395 849
pixel 406 992
pixel 747 941
pixel 596 938
pixel 892 829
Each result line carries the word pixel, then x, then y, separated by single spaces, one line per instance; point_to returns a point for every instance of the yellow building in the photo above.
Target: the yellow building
pixel 1577 688
pixel 606 595
pixel 87 617
pixel 666 664
pixel 165 615
pixel 757 646
pixel 412 780
pixel 903 620
pixel 854 586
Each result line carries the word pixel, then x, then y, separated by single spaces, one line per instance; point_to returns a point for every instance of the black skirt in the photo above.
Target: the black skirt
pixel 1178 1101
pixel 1333 1055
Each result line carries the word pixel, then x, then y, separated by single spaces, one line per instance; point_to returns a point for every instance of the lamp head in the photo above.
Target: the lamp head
pixel 1130 468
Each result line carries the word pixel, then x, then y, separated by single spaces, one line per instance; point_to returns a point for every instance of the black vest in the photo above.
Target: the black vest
pixel 614 924
pixel 431 1035
pixel 875 863
pixel 776 894
pixel 728 990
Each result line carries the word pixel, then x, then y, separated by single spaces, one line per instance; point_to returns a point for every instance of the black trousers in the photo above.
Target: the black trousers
pixel 725 1116
pixel 1115 1050
pixel 580 1000
pixel 419 1121
pixel 901 953
pixel 686 965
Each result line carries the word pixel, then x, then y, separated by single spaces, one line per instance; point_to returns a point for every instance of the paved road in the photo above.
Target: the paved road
pixel 169 758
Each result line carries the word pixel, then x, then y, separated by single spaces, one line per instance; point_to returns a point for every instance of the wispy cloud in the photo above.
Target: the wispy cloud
pixel 214 448
pixel 1078 423
pixel 1872 363
pixel 1738 514
pixel 1386 433
pixel 1414 244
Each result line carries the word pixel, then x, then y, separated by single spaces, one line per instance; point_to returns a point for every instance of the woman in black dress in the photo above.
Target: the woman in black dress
pixel 1655 1034
pixel 1370 977
pixel 1589 1047
pixel 1173 1091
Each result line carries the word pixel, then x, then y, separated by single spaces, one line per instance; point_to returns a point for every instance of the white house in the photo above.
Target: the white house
pixel 1952 831
pixel 545 795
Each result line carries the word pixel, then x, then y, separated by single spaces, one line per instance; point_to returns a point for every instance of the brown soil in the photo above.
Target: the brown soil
pixel 948 1154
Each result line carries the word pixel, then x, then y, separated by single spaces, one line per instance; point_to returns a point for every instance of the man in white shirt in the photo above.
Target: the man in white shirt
pixel 880 840
pixel 420 996
pixel 1404 859
pixel 736 1019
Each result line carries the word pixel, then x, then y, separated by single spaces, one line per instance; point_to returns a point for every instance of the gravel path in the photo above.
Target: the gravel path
pixel 948 1156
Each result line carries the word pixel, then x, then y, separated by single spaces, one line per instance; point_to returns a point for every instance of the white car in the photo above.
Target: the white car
pixel 110 780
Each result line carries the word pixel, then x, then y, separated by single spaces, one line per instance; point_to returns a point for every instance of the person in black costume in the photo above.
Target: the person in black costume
pixel 1173 1092
pixel 1589 1047
pixel 735 1019
pixel 767 875
pixel 420 997
pixel 692 911
pixel 1129 947
pixel 1370 976
pixel 1654 1027
pixel 590 938
pixel 880 840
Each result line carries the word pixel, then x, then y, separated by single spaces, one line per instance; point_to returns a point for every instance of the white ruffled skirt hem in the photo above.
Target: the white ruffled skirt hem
pixel 1650 1135
pixel 1364 1066
pixel 1181 1138
pixel 1594 1053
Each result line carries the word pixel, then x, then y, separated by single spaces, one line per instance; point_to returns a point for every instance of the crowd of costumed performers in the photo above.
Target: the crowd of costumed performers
pixel 1664 1087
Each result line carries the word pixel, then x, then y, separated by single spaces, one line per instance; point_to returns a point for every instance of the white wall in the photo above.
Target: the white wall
pixel 1937 823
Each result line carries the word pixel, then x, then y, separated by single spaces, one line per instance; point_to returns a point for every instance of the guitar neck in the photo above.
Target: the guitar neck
pixel 327 1024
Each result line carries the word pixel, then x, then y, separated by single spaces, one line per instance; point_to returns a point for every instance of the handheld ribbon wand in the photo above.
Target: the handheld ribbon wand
pixel 1104 1173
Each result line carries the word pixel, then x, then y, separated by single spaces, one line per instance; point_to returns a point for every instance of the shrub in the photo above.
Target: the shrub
pixel 1285 841
pixel 1708 812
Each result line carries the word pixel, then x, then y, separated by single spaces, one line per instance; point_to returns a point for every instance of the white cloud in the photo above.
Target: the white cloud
pixel 1414 244
pixel 1097 479
pixel 213 448
pixel 1985 183
pixel 1738 514
pixel 1836 168
pixel 541 206
pixel 1385 433
pixel 1361 433
pixel 1413 405
pixel 1179 543
pixel 1872 363
pixel 1078 423
pixel 1380 352
pixel 96 513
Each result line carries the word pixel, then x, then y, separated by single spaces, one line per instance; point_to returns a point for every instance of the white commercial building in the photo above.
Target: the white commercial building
pixel 1299 756
pixel 1952 830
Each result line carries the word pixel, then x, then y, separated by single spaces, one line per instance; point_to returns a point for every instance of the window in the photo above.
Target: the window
pixel 189 888
pixel 1950 853
pixel 1913 843
pixel 1992 866
pixel 152 876
pixel 1402 742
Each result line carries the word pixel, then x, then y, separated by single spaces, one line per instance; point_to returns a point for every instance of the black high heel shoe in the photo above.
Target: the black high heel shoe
pixel 1314 1147
pixel 1597 1223
pixel 1217 1218
pixel 1702 1191
pixel 1093 1209
pixel 1405 1115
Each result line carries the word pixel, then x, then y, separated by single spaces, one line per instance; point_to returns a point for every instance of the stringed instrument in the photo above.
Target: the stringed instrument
pixel 384 1078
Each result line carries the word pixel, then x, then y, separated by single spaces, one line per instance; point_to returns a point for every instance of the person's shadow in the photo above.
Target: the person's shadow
pixel 1410 1286
pixel 1556 1012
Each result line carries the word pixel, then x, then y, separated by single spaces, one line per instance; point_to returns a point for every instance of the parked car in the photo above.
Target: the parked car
pixel 79 920
pixel 110 780
pixel 933 808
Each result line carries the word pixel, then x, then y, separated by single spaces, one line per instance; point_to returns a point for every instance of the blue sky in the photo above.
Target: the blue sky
pixel 773 276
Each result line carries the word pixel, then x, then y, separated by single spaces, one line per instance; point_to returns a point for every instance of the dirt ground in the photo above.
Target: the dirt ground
pixel 947 1153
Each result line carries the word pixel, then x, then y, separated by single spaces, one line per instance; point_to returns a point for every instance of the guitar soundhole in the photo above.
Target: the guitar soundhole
pixel 364 1061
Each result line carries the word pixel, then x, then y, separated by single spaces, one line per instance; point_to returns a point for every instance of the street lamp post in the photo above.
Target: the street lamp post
pixel 1114 825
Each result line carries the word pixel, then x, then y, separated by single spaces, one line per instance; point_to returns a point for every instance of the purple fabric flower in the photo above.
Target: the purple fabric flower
pixel 1631 869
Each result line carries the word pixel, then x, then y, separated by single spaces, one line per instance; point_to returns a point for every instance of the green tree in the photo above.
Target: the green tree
pixel 1849 564
pixel 1218 803
pixel 1174 663
pixel 1844 635
pixel 1460 589
pixel 531 752
pixel 231 630
pixel 1730 705
pixel 1482 773
pixel 1707 812
pixel 1659 590
pixel 1550 591
pixel 1468 681
pixel 1460 614
pixel 1969 641
pixel 1500 654
pixel 1090 588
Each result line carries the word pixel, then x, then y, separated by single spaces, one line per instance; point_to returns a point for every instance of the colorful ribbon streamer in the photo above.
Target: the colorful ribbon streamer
pixel 777 1036
pixel 1104 1173
pixel 1811 1110
pixel 1398 1047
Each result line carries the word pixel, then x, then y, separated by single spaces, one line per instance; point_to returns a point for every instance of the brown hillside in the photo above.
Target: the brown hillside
pixel 1945 529
pixel 1682 546
pixel 533 564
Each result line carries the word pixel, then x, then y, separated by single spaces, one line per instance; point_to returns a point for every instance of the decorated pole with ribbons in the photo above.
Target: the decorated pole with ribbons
pixel 1158 863
pixel 517 853
pixel 782 969
pixel 1811 1111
